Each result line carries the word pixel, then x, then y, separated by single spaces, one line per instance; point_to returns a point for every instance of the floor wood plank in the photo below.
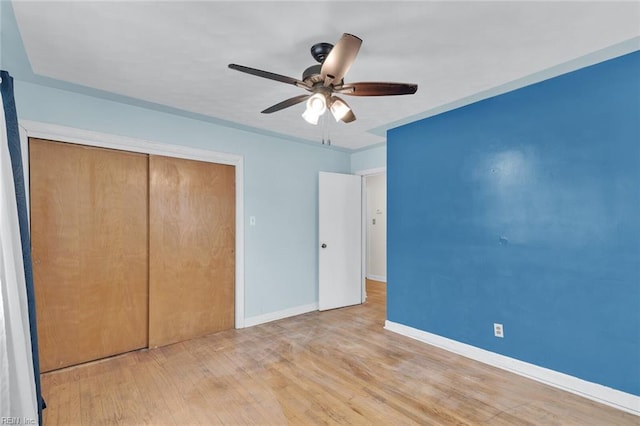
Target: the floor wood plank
pixel 335 367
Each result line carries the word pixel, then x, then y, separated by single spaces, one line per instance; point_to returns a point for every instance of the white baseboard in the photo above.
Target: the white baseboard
pixel 274 316
pixel 603 394
pixel 377 278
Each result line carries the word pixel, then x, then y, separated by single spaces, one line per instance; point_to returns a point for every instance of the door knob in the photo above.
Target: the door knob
pixel 323 245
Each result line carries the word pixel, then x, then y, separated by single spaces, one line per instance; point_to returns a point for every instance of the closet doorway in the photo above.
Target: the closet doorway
pixel 130 250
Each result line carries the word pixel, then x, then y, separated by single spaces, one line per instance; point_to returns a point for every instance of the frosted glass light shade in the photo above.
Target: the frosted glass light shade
pixel 317 103
pixel 339 109
pixel 310 116
pixel 316 106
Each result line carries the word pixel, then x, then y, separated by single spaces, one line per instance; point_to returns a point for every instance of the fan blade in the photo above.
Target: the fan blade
pixel 377 89
pixel 286 104
pixel 269 75
pixel 339 60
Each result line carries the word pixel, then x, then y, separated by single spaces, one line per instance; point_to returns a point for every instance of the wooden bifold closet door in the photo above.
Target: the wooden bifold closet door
pixel 89 225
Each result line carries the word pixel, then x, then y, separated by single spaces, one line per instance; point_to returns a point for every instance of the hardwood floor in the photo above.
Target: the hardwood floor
pixel 337 367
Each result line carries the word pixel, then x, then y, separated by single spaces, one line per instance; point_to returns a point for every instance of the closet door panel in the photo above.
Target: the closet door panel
pixel 89 225
pixel 191 248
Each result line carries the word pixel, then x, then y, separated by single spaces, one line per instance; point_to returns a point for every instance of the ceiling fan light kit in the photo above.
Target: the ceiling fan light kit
pixel 317 105
pixel 328 78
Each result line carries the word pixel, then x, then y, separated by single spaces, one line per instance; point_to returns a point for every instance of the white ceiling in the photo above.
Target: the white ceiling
pixel 176 53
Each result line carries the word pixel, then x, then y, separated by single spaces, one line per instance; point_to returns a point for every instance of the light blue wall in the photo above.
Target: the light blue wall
pixel 280 175
pixel 524 209
pixel 281 181
pixel 370 158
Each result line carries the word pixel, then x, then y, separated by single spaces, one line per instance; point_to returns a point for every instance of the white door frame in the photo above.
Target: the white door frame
pixel 364 174
pixel 34 129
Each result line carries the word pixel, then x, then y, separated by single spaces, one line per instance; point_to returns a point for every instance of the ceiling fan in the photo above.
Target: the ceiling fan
pixel 326 80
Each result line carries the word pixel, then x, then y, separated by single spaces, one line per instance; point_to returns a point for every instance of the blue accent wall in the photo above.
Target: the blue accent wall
pixel 524 209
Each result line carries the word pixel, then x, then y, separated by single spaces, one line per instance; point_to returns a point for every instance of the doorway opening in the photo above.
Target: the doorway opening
pixel 374 226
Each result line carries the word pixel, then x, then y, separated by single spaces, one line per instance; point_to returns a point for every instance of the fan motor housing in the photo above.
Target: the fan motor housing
pixel 319 51
pixel 312 75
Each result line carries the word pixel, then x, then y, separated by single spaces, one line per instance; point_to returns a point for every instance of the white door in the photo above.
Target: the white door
pixel 340 239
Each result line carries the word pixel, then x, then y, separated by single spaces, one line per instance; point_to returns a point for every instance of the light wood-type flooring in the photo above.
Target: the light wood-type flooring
pixel 335 367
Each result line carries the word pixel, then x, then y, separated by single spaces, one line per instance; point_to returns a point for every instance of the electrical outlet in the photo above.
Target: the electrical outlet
pixel 498 330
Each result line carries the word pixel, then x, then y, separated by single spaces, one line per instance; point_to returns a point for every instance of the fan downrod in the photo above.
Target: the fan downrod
pixel 319 51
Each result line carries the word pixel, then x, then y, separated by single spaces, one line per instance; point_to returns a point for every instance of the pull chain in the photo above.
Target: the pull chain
pixel 325 131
